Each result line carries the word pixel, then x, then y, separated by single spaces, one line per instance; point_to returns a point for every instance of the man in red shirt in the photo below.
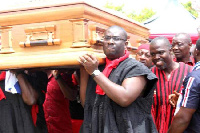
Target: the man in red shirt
pixel 56 106
pixel 170 78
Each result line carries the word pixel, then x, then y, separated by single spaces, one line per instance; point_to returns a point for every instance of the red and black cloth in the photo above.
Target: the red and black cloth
pixel 162 110
pixel 2 77
pixel 191 62
pixel 110 65
pixel 16 115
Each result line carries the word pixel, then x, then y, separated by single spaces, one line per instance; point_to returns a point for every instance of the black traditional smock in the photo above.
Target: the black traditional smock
pixel 102 115
pixel 15 115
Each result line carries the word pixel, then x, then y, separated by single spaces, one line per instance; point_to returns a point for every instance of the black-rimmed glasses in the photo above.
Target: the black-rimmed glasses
pixel 115 38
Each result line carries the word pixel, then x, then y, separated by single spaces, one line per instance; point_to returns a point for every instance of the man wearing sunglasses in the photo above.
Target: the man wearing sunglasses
pixel 117 96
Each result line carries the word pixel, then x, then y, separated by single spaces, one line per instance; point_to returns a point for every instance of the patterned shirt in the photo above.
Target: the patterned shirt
pixel 162 110
pixel 191 98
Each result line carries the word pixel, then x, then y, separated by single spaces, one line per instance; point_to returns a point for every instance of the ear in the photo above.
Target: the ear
pixel 126 43
pixel 171 51
pixel 190 44
pixel 197 52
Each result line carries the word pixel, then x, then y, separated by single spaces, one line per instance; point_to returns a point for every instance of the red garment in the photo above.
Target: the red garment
pixel 162 110
pixel 76 125
pixel 2 77
pixel 143 46
pixel 110 64
pixel 34 112
pixel 56 107
pixel 191 62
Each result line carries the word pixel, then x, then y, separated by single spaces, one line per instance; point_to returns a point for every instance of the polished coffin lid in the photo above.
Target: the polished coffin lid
pixel 14 23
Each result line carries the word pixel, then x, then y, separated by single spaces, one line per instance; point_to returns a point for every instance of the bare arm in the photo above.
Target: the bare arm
pixel 181 120
pixel 123 94
pixel 67 91
pixel 29 94
pixel 83 84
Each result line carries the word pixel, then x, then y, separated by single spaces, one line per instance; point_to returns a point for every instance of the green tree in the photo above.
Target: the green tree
pixel 116 8
pixel 188 6
pixel 145 14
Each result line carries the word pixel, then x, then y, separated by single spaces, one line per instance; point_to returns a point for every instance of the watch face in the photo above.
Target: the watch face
pixel 95 73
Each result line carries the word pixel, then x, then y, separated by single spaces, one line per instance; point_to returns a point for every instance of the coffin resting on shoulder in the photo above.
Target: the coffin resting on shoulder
pixel 49 36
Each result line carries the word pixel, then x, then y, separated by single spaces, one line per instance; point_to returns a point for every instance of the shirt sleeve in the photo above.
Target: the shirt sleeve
pixel 191 92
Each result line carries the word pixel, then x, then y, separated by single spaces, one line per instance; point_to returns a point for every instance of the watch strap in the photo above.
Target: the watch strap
pixel 95 73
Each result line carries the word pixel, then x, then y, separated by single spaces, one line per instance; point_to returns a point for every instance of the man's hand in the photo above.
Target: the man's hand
pixel 17 71
pixel 89 62
pixel 173 98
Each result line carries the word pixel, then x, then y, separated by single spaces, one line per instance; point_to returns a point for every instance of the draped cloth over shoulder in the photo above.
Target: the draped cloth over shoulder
pixel 102 115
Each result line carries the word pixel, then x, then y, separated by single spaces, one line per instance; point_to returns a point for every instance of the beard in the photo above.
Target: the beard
pixel 161 64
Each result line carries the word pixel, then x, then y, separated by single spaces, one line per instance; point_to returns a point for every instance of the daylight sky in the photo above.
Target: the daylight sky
pixel 135 5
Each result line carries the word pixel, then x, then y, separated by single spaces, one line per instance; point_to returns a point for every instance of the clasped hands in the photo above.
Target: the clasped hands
pixel 89 62
pixel 173 98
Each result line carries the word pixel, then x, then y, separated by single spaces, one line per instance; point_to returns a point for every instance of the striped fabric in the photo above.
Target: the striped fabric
pixel 187 91
pixel 162 111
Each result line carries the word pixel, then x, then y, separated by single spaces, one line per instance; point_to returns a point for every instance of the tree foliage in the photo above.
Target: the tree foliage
pixel 110 5
pixel 145 13
pixel 188 6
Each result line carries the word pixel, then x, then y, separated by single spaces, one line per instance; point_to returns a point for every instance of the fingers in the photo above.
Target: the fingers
pixel 176 93
pixel 92 57
pixel 171 98
pixel 82 60
pixel 87 58
pixel 172 103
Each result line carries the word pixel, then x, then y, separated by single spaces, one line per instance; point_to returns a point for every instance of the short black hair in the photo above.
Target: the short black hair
pixel 120 28
pixel 198 44
pixel 165 40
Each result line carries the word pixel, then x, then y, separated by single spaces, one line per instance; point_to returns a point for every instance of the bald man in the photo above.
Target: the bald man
pixel 181 45
pixel 122 99
pixel 170 77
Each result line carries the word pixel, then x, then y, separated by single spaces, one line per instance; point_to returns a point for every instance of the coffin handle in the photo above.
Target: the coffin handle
pixel 40 43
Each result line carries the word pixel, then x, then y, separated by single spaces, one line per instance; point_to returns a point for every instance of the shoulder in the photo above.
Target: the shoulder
pixel 185 66
pixel 131 62
pixel 135 68
pixel 195 74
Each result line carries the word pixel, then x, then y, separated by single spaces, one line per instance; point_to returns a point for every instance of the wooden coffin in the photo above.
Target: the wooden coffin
pixel 56 35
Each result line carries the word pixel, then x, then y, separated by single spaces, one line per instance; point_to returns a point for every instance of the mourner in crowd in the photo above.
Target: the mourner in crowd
pixel 188 116
pixel 181 45
pixel 23 112
pixel 56 105
pixel 117 96
pixel 170 77
pixel 143 55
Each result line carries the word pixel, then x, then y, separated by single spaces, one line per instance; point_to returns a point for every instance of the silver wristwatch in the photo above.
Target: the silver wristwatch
pixel 95 73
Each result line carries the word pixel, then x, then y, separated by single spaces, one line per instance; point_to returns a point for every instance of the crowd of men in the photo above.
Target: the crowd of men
pixel 156 92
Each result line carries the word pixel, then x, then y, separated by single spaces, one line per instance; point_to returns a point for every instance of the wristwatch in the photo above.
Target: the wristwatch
pixel 95 73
